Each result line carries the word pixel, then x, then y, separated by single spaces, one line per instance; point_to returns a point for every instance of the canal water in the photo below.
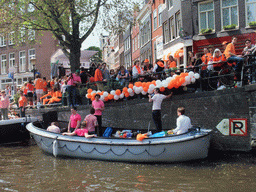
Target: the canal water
pixel 26 168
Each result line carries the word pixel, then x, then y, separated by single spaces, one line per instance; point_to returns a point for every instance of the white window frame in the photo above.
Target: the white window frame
pixel 246 14
pixel 11 38
pixel 22 61
pixel 31 34
pixel 155 19
pixel 22 34
pixel 221 2
pixel 166 28
pixel 30 67
pixel 11 60
pixel 177 22
pixel 3 62
pixel 168 4
pixel 172 28
pixel 207 24
pixel 160 16
pixel 2 41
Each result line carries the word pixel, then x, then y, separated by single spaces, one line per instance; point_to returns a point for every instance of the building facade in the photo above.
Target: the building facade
pixel 26 58
pixel 127 47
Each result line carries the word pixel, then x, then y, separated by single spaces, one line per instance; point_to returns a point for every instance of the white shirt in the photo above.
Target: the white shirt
pixel 54 129
pixel 157 101
pixel 135 72
pixel 183 124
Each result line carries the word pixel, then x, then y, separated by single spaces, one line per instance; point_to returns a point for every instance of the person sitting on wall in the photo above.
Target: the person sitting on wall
pixel 183 122
pixel 123 76
pixel 47 97
pixel 136 70
pixel 56 97
pixel 82 132
pixel 158 68
pixel 218 60
pixel 54 128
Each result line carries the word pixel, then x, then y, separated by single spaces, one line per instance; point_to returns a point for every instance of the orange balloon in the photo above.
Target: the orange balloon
pixel 154 82
pixel 101 93
pixel 183 74
pixel 118 92
pixel 89 90
pixel 126 94
pixel 110 96
pixel 143 84
pixel 145 89
pixel 162 89
pixel 89 96
pixel 182 80
pixel 106 98
pixel 93 94
pixel 125 89
pixel 130 86
pixel 93 98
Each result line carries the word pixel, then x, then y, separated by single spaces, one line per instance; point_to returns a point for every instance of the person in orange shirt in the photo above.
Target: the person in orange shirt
pixel 22 104
pixel 204 74
pixel 39 88
pixel 218 60
pixel 45 89
pixel 57 96
pixel 171 62
pixel 98 78
pixel 231 56
pixel 47 97
pixel 30 92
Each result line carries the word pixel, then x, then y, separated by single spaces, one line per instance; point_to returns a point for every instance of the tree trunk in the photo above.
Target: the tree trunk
pixel 75 54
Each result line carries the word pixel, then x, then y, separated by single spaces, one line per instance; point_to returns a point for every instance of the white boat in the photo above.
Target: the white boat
pixel 14 130
pixel 184 147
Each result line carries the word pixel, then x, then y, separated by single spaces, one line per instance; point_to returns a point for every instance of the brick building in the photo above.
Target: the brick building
pixel 30 55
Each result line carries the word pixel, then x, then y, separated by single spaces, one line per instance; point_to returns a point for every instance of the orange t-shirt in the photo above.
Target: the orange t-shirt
pixel 39 83
pixel 217 59
pixel 45 86
pixel 230 48
pixel 25 91
pixel 206 58
pixel 30 87
pixel 57 94
pixel 22 101
pixel 172 64
pixel 98 75
pixel 52 84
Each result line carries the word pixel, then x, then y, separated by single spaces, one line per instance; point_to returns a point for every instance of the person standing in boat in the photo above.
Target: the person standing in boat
pixel 183 122
pixel 22 104
pixel 4 105
pixel 91 121
pixel 75 119
pixel 98 105
pixel 156 108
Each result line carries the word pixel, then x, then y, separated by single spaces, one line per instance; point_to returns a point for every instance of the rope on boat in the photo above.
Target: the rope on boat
pixel 55 144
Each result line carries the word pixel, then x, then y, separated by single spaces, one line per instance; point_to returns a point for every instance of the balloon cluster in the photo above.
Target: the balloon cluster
pixel 145 87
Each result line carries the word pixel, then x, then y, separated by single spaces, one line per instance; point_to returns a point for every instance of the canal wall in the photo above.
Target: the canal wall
pixel 234 107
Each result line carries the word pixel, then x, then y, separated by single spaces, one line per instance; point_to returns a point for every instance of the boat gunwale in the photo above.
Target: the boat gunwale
pixel 55 136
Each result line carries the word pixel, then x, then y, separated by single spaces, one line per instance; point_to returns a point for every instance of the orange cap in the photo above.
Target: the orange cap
pixel 146 60
pixel 224 42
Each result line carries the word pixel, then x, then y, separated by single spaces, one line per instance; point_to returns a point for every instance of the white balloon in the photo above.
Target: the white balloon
pixel 86 96
pixel 105 94
pixel 151 86
pixel 193 80
pixel 197 76
pixel 93 92
pixel 102 98
pixel 187 79
pixel 144 93
pixel 158 82
pixel 140 89
pixel 174 75
pixel 121 95
pixel 137 91
pixel 116 97
pixel 191 74
pixel 131 94
pixel 165 83
pixel 112 92
pixel 150 91
pixel 130 91
pixel 169 79
pixel 98 92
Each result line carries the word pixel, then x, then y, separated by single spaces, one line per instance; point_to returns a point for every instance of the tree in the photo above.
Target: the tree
pixel 70 21
pixel 98 56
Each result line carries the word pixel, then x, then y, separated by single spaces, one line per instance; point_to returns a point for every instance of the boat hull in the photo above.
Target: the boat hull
pixel 185 147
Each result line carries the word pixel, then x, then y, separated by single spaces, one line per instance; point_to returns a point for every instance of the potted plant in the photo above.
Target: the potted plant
pixel 205 31
pixel 252 24
pixel 229 27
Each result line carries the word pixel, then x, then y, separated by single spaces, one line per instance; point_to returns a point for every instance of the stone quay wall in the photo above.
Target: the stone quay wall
pixel 206 109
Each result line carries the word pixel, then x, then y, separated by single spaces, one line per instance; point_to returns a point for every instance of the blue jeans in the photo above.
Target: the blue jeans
pixel 156 114
pixel 71 95
pixel 239 64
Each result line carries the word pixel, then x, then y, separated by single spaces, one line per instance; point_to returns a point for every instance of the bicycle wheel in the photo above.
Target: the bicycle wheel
pixel 213 79
pixel 226 76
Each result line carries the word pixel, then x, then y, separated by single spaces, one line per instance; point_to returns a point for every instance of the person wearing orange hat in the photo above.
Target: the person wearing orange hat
pixel 159 67
pixel 147 66
pixel 224 44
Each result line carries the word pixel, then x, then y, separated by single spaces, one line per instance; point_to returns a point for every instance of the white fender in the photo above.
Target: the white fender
pixel 55 147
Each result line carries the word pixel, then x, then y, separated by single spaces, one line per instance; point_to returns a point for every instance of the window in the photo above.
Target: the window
pixel 160 10
pixel 31 55
pixel 22 61
pixel 31 34
pixel 2 41
pixel 178 23
pixel 229 12
pixel 22 34
pixel 250 11
pixel 206 16
pixel 3 64
pixel 169 3
pixel 11 38
pixel 172 29
pixel 155 20
pixel 166 32
pixel 11 60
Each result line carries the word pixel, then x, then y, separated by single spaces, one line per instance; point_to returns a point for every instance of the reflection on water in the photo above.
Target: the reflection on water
pixel 26 168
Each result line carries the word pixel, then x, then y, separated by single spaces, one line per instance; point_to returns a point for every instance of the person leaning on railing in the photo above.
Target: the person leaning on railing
pixel 98 78
pixel 136 70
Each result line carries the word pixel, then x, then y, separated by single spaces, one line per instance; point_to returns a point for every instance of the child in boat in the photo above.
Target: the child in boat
pixel 81 132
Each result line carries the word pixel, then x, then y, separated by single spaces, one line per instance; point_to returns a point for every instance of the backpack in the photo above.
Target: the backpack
pixel 107 132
